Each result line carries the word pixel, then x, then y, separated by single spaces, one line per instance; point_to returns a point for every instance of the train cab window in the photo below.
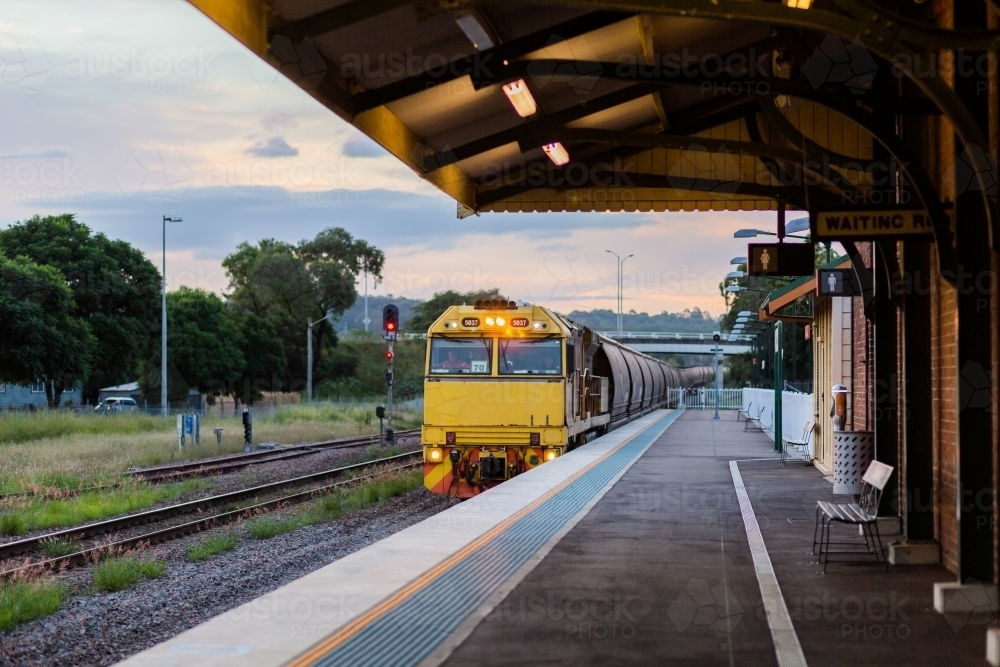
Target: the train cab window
pixel 530 356
pixel 461 355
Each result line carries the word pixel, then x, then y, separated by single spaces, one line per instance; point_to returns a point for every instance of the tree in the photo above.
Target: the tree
pixel 40 338
pixel 427 313
pixel 115 289
pixel 203 342
pixel 289 285
pixel 264 356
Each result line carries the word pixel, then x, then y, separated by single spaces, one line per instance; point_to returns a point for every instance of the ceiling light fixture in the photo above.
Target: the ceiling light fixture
pixel 520 98
pixel 475 31
pixel 556 153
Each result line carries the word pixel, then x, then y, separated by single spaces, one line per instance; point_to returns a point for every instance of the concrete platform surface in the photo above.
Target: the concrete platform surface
pixel 429 578
pixel 660 572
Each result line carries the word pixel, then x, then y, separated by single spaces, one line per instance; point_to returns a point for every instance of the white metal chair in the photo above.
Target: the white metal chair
pixel 863 513
pixel 801 442
pixel 741 412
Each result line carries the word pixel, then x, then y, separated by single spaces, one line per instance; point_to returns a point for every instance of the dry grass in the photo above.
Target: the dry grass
pixel 59 451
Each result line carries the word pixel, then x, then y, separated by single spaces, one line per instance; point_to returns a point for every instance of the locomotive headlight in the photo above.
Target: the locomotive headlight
pixel 490 321
pixel 551 454
pixel 435 454
pixel 501 322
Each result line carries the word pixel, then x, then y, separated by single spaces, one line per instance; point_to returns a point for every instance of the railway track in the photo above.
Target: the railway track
pixel 222 464
pixel 10 549
pixel 237 461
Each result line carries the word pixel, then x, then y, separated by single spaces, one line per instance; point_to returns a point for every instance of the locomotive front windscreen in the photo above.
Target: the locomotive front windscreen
pixel 461 355
pixel 530 356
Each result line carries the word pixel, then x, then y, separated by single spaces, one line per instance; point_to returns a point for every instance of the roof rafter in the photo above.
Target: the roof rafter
pixel 472 64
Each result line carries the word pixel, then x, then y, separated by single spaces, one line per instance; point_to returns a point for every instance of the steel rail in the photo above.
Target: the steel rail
pixel 157 536
pixel 110 525
pixel 235 461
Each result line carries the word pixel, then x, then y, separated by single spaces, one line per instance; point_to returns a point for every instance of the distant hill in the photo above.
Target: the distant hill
pixel 688 321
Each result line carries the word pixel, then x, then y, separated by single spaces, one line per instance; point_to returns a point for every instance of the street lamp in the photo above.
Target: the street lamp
pixel 164 406
pixel 738 260
pixel 309 354
pixel 752 233
pixel 621 263
pixel 735 275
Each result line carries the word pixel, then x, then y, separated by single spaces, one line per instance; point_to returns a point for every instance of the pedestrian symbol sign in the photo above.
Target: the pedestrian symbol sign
pixel 837 282
pixel 781 259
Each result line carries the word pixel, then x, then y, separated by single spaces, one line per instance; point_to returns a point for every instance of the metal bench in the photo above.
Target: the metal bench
pixel 756 419
pixel 863 513
pixel 744 413
pixel 801 442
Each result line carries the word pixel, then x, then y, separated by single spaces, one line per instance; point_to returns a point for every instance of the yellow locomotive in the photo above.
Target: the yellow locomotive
pixel 509 387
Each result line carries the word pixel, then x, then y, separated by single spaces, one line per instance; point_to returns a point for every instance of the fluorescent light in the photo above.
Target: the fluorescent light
pixel 738 260
pixel 798 4
pixel 475 32
pixel 520 98
pixel 798 225
pixel 745 234
pixel 556 153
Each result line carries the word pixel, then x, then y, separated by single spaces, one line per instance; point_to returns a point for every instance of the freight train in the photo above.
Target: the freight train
pixel 510 387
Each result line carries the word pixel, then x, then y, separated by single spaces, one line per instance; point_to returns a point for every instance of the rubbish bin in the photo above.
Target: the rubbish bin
pixel 852 452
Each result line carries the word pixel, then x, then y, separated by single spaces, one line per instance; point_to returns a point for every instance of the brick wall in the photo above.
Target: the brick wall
pixel 862 394
pixel 944 333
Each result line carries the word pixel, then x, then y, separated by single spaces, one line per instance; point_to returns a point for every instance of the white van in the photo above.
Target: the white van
pixel 117 404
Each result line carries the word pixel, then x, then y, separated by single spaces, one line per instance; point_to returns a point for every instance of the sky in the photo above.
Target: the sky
pixel 127 111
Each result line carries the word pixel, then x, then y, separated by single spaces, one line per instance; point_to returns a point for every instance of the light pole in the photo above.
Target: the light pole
pixel 367 320
pixel 164 405
pixel 718 353
pixel 621 263
pixel 309 355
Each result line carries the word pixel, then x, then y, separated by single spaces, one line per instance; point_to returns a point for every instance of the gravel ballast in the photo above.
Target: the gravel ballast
pixel 102 628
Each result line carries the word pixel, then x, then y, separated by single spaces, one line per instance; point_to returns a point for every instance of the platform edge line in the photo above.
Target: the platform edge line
pixel 787 648
pixel 464 630
pixel 322 648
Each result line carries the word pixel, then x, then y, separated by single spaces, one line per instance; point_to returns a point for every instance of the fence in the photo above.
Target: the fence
pixel 796 410
pixel 703 398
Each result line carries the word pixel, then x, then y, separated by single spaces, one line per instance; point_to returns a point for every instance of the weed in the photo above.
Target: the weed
pixel 97 505
pixel 57 547
pixel 265 527
pixel 213 545
pixel 21 602
pixel 13 524
pixel 120 572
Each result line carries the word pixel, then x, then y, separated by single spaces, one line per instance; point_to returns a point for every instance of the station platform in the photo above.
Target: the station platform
pixel 677 539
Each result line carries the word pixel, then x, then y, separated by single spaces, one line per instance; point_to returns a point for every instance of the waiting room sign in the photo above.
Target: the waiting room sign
pixel 855 225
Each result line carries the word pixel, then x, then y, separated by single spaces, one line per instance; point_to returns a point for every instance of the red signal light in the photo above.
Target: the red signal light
pixel 391 326
pixel 388 355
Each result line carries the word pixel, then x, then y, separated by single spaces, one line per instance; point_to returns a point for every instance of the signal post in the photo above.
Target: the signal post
pixel 390 325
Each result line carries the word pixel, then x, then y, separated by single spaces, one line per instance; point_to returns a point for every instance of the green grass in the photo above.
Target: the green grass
pixel 213 545
pixel 13 524
pixel 21 602
pixel 91 506
pixel 335 505
pixel 120 572
pixel 25 427
pixel 265 527
pixel 56 547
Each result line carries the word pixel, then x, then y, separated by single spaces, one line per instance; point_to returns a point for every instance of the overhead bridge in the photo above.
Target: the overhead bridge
pixel 679 343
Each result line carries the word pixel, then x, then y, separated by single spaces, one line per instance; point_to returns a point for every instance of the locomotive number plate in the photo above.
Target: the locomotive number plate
pixel 470 321
pixel 520 322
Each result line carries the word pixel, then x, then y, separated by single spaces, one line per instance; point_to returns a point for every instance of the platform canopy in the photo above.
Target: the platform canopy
pixel 644 106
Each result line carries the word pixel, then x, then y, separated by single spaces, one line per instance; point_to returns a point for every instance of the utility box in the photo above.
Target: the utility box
pixel 188 426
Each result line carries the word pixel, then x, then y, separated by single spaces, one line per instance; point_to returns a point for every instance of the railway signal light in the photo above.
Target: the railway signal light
pixel 390 319
pixel 388 355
